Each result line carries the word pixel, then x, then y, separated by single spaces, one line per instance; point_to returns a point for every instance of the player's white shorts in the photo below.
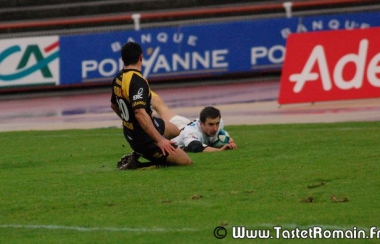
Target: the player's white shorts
pixel 180 121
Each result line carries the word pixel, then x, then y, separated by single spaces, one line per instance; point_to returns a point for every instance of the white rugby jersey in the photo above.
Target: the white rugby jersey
pixel 194 132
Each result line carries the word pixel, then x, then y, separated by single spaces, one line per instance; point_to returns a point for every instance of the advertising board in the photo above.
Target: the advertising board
pixel 170 53
pixel 331 65
pixel 29 61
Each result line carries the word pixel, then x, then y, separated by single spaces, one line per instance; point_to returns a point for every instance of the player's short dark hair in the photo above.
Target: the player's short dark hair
pixel 209 112
pixel 130 53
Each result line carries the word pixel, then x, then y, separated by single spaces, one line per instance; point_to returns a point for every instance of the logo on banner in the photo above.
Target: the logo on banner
pixel 30 61
pixel 325 24
pixel 324 70
pixel 268 57
pixel 318 57
pixel 159 61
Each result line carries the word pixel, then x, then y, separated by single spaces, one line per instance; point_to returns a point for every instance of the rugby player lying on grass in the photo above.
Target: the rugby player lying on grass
pixel 195 136
pixel 202 135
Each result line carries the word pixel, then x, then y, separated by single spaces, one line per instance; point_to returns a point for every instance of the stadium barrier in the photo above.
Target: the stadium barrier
pixel 287 7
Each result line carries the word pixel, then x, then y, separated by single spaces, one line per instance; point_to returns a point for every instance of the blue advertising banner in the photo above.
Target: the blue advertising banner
pixel 200 50
pixel 197 50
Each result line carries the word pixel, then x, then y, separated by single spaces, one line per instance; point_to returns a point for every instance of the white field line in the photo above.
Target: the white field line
pixel 95 229
pixel 126 229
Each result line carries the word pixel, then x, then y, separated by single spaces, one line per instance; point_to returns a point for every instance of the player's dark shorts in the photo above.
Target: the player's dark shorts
pixel 145 146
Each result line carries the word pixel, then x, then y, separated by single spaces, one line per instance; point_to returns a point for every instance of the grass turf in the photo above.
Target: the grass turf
pixel 63 186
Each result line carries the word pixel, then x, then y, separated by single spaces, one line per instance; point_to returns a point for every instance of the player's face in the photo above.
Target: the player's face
pixel 210 126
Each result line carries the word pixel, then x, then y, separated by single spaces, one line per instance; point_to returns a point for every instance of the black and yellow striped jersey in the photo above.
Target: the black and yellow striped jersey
pixel 130 91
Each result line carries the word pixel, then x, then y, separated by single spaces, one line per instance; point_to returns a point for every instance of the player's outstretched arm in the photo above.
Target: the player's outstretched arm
pixel 225 147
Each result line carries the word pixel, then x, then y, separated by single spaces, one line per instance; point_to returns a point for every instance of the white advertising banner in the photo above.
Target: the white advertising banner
pixel 32 61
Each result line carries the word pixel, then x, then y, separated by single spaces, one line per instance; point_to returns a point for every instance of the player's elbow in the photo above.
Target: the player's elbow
pixel 139 114
pixel 195 146
pixel 114 107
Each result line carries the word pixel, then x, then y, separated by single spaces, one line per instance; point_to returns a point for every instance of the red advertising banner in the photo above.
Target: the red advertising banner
pixel 331 65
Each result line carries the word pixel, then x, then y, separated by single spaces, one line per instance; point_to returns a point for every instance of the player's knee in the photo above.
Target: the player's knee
pixel 171 131
pixel 179 158
pixel 188 161
pixel 185 160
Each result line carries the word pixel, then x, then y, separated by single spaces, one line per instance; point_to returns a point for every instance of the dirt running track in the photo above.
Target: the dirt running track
pixel 240 103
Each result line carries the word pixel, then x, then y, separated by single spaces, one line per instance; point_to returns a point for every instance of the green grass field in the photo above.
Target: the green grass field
pixel 63 186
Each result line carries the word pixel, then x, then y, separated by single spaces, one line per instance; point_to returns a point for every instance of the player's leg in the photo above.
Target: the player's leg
pixel 146 147
pixel 160 107
pixel 153 153
pixel 171 130
pixel 150 151
pixel 179 157
pixel 180 121
pixel 174 127
pixel 166 114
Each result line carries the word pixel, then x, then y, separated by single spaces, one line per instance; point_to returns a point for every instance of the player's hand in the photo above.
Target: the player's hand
pixel 232 144
pixel 166 146
pixel 225 147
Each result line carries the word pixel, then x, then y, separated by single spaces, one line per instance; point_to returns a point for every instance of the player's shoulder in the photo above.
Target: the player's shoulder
pixel 132 74
pixel 193 127
pixel 136 79
pixel 118 76
pixel 136 74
